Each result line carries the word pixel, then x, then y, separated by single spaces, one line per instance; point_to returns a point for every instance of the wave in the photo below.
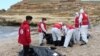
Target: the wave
pixel 6 31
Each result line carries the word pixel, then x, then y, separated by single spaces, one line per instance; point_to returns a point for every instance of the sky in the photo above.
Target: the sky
pixel 5 4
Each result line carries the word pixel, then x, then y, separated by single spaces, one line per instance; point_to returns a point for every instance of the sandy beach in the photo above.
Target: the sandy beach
pixel 10 47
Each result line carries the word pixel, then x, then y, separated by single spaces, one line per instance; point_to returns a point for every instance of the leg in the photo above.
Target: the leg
pixel 54 36
pixel 78 36
pixel 74 36
pixel 84 31
pixel 40 38
pixel 58 35
pixel 26 50
pixel 68 38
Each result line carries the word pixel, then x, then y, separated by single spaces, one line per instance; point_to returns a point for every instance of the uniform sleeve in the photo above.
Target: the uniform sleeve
pixel 74 19
pixel 27 34
pixel 42 26
pixel 80 18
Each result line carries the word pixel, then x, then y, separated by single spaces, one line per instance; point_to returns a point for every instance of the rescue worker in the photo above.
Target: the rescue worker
pixel 42 30
pixel 68 36
pixel 76 34
pixel 24 35
pixel 84 22
pixel 56 33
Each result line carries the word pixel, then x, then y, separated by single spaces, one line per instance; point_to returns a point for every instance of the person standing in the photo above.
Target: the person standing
pixel 84 22
pixel 42 29
pixel 76 35
pixel 24 35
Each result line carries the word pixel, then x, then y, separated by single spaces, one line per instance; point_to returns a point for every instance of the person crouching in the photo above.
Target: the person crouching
pixel 56 33
pixel 68 36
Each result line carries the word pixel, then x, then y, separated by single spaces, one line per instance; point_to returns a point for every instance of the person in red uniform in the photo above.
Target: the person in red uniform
pixel 68 31
pixel 84 22
pixel 24 35
pixel 76 34
pixel 42 29
pixel 56 33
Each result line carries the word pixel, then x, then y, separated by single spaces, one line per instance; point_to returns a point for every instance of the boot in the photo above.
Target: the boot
pixel 53 48
pixel 53 42
pixel 59 43
pixel 83 43
pixel 41 44
pixel 70 44
pixel 56 43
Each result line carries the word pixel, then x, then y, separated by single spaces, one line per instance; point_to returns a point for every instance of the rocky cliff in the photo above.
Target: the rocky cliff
pixel 61 7
pixel 53 9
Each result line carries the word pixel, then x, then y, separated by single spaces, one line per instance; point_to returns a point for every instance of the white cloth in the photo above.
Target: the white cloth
pixel 84 32
pixel 41 38
pixel 80 18
pixel 76 36
pixel 42 26
pixel 64 30
pixel 56 34
pixel 68 37
pixel 81 15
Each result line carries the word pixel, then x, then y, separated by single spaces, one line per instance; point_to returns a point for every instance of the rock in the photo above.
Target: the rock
pixel 2 11
pixel 55 9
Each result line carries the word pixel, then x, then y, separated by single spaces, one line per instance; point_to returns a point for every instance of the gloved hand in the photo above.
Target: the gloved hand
pixel 44 32
pixel 44 35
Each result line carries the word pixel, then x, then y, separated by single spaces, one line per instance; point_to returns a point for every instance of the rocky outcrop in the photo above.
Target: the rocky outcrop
pixel 2 11
pixel 55 9
pixel 38 6
pixel 59 7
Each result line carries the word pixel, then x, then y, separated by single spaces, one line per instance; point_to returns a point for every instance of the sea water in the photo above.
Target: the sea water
pixel 8 31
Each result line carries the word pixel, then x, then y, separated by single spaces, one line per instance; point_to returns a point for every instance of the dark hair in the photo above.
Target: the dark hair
pixel 29 17
pixel 44 19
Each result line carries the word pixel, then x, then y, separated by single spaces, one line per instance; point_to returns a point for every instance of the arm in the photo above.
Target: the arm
pixel 80 18
pixel 27 34
pixel 43 29
pixel 63 30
